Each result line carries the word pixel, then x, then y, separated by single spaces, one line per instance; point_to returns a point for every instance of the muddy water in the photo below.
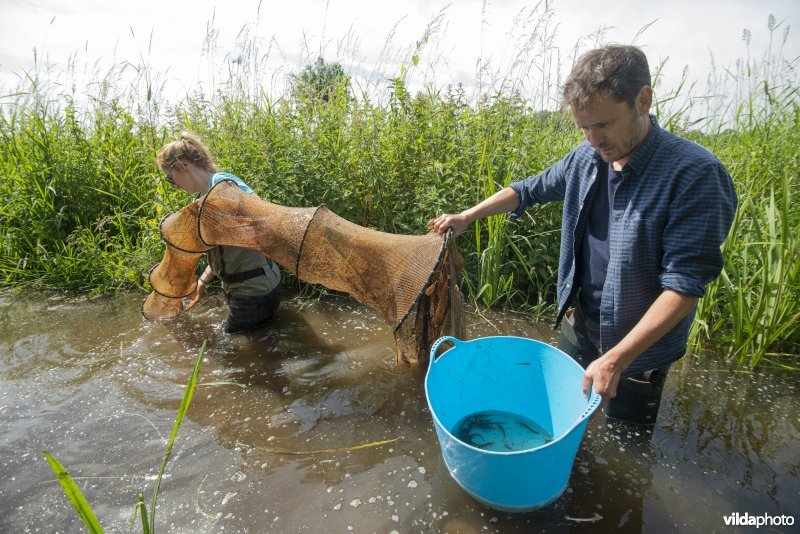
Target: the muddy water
pixel 98 387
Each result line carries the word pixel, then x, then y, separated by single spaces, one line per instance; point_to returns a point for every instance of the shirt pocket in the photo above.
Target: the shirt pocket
pixel 642 247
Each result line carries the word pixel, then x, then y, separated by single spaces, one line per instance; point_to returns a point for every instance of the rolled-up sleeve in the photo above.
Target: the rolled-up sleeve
pixel 549 186
pixel 700 217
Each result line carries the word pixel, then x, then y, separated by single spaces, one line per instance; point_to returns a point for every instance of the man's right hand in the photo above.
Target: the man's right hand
pixel 503 201
pixel 458 222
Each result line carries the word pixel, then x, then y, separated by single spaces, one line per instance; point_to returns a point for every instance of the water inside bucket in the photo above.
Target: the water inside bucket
pixel 495 430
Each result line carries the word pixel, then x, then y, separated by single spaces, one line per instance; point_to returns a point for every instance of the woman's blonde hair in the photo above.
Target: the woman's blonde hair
pixel 188 148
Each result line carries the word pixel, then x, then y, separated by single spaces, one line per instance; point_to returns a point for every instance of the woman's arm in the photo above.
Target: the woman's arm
pixel 202 281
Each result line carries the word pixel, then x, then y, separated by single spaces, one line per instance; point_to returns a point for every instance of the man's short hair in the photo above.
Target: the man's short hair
pixel 619 71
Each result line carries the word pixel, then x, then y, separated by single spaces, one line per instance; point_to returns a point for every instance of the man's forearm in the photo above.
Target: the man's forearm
pixel 668 310
pixel 604 373
pixel 503 201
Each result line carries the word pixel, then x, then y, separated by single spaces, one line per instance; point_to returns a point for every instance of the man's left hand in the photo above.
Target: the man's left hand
pixel 602 375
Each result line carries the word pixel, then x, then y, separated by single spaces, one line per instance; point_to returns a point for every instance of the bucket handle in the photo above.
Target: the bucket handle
pixel 438 343
pixel 594 403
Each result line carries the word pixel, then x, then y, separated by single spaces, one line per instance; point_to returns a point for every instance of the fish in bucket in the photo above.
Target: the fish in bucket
pixel 510 414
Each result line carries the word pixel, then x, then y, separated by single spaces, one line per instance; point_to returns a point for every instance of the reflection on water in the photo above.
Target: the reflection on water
pixel 97 386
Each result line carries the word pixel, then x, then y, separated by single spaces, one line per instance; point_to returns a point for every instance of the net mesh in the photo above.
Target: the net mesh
pixel 387 272
pixel 410 281
pixel 230 217
pixel 175 276
pixel 180 230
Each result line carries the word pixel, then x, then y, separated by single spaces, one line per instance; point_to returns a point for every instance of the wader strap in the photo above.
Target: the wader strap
pixel 236 278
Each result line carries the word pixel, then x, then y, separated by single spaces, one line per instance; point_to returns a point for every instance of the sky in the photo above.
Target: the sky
pixel 186 45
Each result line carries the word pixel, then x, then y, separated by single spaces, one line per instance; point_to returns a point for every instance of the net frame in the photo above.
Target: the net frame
pixel 306 242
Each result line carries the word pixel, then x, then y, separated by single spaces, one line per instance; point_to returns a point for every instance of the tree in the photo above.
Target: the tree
pixel 321 82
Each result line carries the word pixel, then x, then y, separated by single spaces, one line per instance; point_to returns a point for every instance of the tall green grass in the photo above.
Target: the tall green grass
pixel 79 193
pixel 754 306
pixel 752 311
pixel 82 195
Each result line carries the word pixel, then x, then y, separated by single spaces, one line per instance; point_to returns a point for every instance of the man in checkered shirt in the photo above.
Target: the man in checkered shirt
pixel 645 213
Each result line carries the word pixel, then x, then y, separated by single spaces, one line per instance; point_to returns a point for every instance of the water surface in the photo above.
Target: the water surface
pixel 98 387
pixel 500 431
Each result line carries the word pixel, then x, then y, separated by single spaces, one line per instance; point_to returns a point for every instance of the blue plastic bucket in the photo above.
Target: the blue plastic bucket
pixel 540 386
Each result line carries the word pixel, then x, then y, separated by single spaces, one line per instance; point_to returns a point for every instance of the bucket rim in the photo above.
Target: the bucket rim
pixel 456 342
pixel 593 401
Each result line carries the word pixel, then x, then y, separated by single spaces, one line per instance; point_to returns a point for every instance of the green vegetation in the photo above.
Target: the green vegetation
pixel 82 196
pixel 320 82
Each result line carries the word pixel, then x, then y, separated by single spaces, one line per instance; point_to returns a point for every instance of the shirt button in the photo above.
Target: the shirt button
pixel 568 286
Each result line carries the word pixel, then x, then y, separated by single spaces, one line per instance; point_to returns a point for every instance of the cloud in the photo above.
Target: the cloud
pixel 374 38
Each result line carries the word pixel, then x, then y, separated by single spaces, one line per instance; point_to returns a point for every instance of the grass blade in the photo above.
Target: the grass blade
pixel 327 451
pixel 74 495
pixel 187 399
pixel 141 507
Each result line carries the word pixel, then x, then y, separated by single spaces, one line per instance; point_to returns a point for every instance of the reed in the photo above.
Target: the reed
pixel 82 195
pixel 752 311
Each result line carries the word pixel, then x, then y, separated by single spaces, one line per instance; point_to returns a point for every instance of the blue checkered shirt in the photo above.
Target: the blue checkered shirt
pixel 671 213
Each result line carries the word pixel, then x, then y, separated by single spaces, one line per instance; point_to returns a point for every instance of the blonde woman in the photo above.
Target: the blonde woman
pixel 251 282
